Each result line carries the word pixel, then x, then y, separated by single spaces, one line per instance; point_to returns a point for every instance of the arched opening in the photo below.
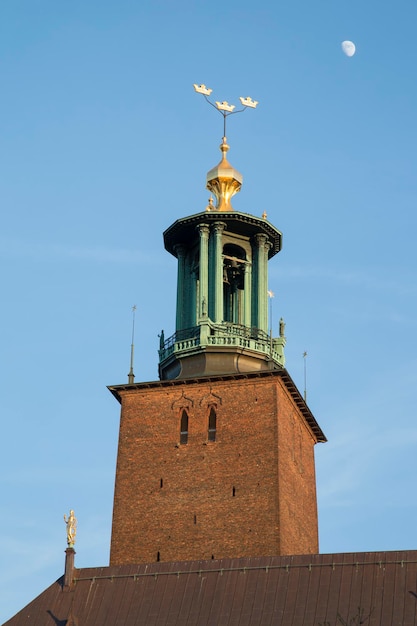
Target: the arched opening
pixel 212 424
pixel 234 258
pixel 184 427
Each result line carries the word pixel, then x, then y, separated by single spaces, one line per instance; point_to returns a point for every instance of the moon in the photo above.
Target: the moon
pixel 348 48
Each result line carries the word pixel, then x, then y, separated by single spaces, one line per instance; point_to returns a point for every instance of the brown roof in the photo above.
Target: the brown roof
pixel 372 588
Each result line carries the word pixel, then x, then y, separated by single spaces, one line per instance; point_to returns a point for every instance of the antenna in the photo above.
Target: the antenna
pixel 131 376
pixel 224 107
pixel 305 376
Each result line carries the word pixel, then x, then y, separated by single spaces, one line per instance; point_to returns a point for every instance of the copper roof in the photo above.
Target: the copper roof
pixel 372 588
pixel 183 229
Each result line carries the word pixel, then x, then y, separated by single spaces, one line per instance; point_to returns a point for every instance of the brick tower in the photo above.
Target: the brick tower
pixel 216 459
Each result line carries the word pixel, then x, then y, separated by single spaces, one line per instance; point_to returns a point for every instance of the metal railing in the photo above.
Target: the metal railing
pixel 226 334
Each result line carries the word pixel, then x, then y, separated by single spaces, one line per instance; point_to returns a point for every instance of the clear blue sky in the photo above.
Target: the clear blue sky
pixel 104 144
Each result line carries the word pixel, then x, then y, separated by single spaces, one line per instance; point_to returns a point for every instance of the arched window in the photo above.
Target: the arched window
pixel 184 427
pixel 212 424
pixel 234 258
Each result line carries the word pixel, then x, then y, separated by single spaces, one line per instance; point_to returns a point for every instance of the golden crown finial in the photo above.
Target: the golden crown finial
pixel 248 102
pixel 225 108
pixel 202 89
pixel 224 181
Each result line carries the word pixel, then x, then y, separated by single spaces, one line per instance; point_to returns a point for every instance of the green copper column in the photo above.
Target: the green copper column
pixel 193 294
pixel 268 246
pixel 203 230
pixel 217 290
pixel 261 282
pixel 180 252
pixel 247 320
pixel 189 305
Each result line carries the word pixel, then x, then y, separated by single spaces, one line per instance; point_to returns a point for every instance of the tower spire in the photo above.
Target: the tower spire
pixel 218 372
pixel 131 376
pixel 222 281
pixel 224 181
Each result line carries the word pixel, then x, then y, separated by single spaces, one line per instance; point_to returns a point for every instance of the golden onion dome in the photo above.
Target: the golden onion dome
pixel 224 181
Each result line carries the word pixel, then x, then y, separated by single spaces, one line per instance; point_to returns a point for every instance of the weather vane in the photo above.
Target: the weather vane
pixel 224 107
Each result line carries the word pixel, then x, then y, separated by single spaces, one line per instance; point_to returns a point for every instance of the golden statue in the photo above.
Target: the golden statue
pixel 71 522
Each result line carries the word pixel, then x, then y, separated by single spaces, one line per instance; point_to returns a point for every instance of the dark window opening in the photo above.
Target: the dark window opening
pixel 234 258
pixel 158 556
pixel 195 519
pixel 233 492
pixel 184 427
pixel 212 425
pixel 162 483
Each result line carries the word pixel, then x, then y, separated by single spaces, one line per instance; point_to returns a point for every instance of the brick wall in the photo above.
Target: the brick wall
pixel 251 492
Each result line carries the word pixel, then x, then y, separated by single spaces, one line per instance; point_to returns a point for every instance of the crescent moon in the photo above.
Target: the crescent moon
pixel 348 48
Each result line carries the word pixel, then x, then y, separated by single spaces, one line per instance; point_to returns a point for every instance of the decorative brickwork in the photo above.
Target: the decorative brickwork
pixel 250 492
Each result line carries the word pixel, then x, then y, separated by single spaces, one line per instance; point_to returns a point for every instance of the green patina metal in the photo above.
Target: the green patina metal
pixel 222 321
pixel 189 341
pixel 222 287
